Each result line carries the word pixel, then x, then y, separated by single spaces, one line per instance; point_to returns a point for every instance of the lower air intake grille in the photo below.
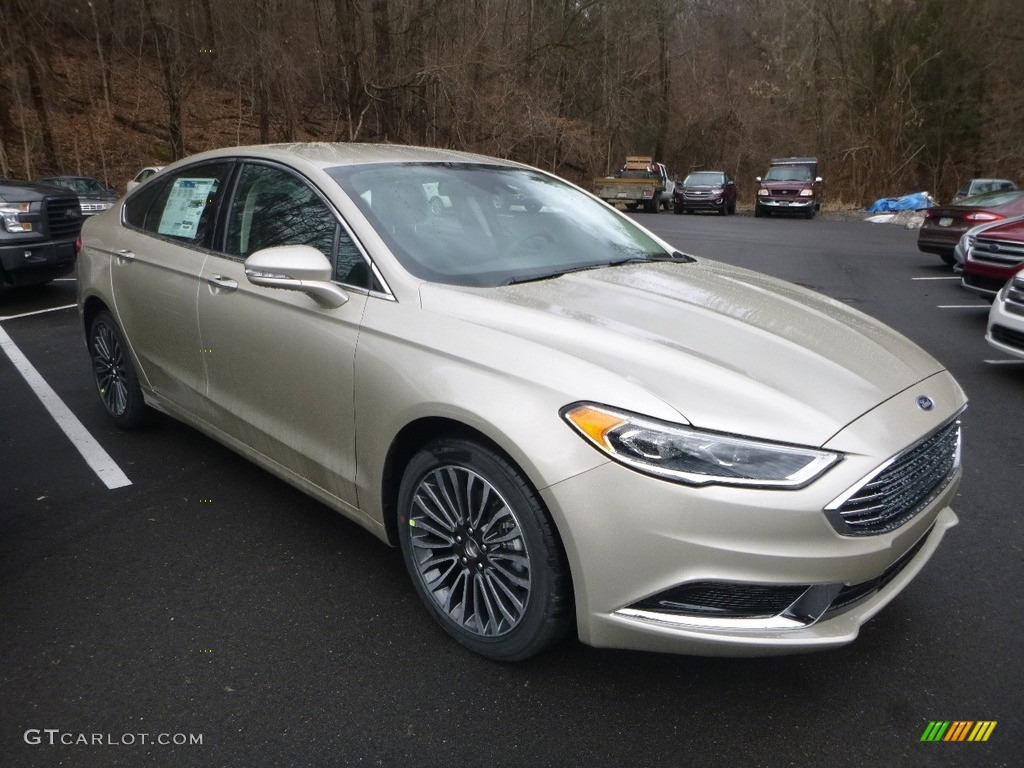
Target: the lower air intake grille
pixel 1008 336
pixel 723 600
pixel 903 487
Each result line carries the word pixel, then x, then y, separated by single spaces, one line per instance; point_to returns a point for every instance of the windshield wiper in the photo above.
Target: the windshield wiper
pixel 675 256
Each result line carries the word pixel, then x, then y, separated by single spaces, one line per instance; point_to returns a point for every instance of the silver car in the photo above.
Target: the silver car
pixel 1006 318
pixel 564 423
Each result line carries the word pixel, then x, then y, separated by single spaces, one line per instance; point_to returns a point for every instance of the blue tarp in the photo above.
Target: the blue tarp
pixel 913 202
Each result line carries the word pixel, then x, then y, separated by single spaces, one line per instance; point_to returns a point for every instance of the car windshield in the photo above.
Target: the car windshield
pixel 83 186
pixel 788 173
pixel 704 179
pixel 992 199
pixel 484 225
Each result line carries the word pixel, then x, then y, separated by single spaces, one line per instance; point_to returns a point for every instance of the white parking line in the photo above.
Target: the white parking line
pixel 950 277
pixel 97 458
pixel 965 306
pixel 1005 362
pixel 37 312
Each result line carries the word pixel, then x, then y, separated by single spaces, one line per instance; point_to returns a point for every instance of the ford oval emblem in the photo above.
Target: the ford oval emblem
pixel 925 403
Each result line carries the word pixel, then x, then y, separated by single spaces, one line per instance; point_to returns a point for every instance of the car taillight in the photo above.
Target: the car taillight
pixel 983 216
pixel 78 245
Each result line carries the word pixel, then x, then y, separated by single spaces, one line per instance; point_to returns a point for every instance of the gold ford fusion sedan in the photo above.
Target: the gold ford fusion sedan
pixel 562 421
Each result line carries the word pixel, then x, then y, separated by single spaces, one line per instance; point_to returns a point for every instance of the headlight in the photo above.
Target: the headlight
pixel 762 192
pixel 806 193
pixel 10 215
pixel 694 456
pixel 716 191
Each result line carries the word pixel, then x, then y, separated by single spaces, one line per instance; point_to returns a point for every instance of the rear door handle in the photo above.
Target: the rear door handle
pixel 221 283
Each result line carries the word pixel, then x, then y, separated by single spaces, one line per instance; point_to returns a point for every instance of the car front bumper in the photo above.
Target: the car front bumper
pixel 28 263
pixel 788 204
pixel 631 538
pixel 1006 327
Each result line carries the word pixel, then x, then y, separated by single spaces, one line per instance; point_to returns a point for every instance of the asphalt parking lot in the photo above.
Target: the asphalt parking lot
pixel 206 598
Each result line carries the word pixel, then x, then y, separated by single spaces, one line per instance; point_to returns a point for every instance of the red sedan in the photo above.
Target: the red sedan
pixel 944 224
pixel 996 256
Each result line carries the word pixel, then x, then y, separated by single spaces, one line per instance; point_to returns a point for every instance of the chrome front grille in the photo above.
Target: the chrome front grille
pixel 901 487
pixel 1000 253
pixel 1015 297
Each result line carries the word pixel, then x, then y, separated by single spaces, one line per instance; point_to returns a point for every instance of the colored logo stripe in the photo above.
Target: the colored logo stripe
pixel 958 730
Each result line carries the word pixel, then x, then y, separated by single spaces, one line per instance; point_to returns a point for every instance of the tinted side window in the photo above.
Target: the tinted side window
pixel 137 206
pixel 274 207
pixel 186 203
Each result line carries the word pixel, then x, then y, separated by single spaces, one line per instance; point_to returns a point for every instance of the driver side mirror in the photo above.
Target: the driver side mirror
pixel 757 179
pixel 296 268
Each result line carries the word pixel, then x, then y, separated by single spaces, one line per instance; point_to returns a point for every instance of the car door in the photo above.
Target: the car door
pixel 155 271
pixel 279 366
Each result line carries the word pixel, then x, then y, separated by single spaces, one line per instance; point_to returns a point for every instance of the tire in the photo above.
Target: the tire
pixel 631 206
pixel 677 209
pixel 810 213
pixel 724 210
pixel 115 376
pixel 732 208
pixel 652 205
pixel 502 594
pixel 758 211
pixel 948 259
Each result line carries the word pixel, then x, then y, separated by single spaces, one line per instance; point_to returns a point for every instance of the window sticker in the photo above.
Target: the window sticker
pixel 185 206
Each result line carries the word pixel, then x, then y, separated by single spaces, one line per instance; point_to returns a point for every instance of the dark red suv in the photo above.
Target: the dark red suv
pixel 996 256
pixel 792 186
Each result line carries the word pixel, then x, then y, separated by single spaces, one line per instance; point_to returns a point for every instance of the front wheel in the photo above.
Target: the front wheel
pixel 948 258
pixel 115 375
pixel 482 552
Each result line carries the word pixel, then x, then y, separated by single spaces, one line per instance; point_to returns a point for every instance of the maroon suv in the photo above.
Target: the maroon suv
pixel 996 256
pixel 792 186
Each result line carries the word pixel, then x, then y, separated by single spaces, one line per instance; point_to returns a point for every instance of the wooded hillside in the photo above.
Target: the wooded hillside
pixel 891 95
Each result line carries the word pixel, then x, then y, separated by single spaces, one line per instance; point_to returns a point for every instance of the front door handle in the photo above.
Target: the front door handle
pixel 221 283
pixel 125 255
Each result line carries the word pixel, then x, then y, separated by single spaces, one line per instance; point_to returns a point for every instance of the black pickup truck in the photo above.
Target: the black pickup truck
pixel 39 232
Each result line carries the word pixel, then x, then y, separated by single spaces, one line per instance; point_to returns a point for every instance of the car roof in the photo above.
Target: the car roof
pixel 328 155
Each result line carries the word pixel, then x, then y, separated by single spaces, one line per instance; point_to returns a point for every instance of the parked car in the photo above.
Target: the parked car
pixel 973 187
pixel 561 420
pixel 996 255
pixel 1006 318
pixel 944 225
pixel 143 175
pixel 791 186
pixel 705 191
pixel 39 229
pixel 93 195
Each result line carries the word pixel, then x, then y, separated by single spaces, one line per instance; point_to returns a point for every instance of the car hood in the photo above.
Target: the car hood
pixel 728 349
pixel 28 192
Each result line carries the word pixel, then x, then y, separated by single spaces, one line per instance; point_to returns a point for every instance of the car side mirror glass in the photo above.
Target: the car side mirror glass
pixel 757 179
pixel 818 180
pixel 296 268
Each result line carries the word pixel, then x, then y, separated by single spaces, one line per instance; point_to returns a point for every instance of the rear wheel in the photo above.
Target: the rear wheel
pixel 115 375
pixel 482 551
